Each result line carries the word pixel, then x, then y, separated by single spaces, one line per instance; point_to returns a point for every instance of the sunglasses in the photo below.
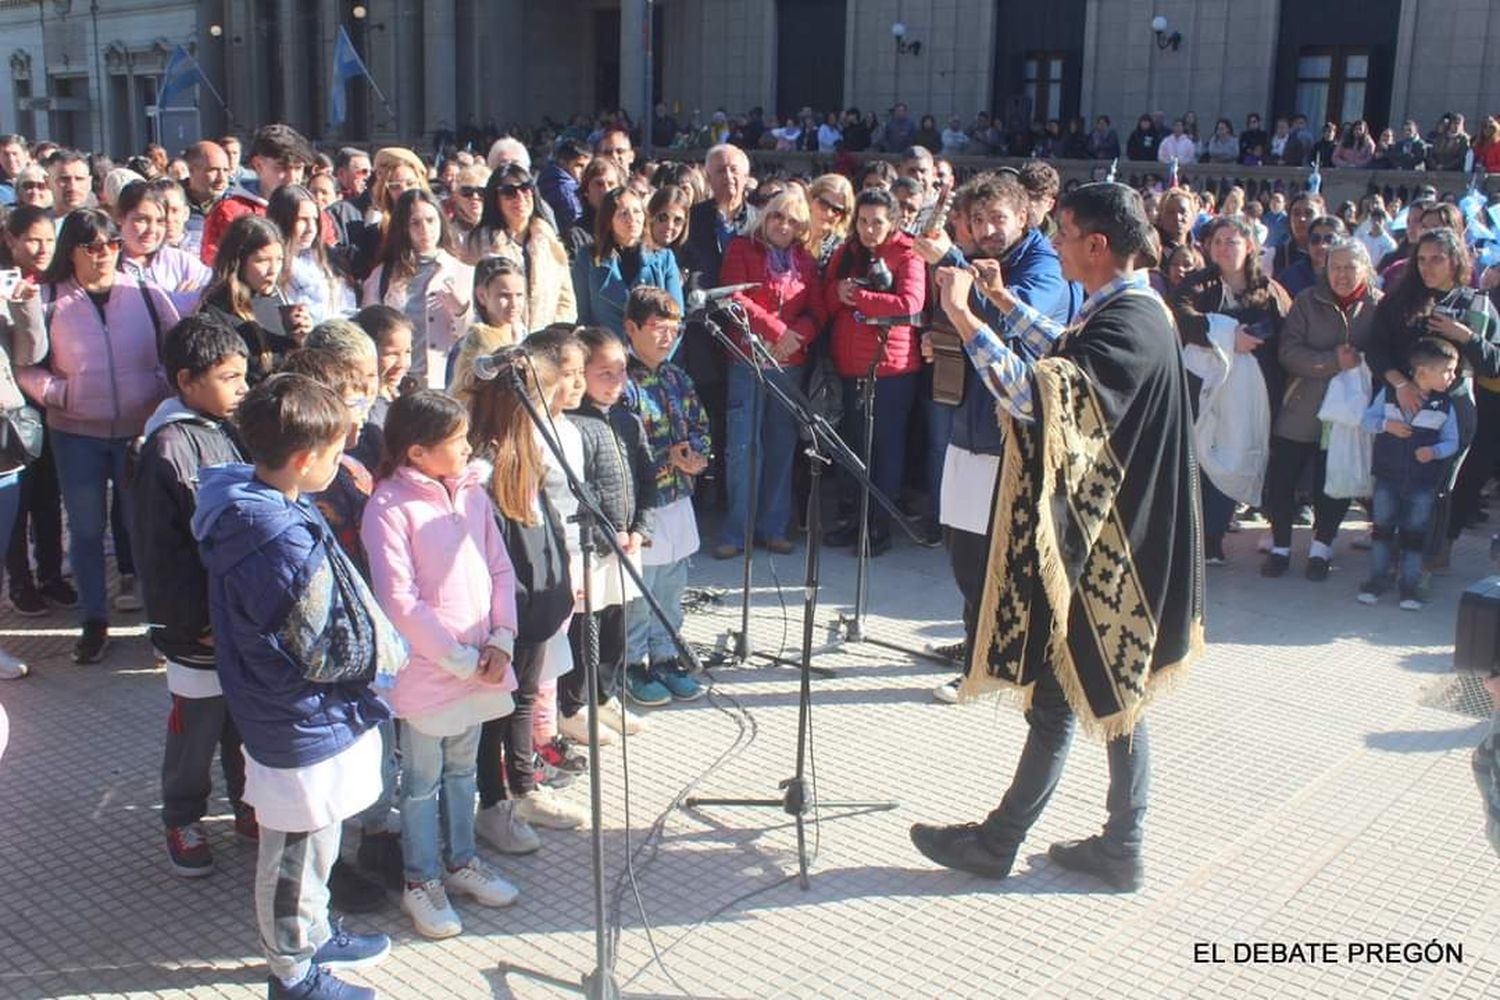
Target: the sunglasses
pixel 661 218
pixel 1322 239
pixel 33 185
pixel 469 191
pixel 514 190
pixel 101 247
pixel 838 210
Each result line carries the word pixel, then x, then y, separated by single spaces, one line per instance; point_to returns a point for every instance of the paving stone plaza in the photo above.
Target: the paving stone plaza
pixel 1312 787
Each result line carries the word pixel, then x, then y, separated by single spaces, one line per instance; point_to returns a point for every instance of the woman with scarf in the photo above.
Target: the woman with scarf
pixel 1325 333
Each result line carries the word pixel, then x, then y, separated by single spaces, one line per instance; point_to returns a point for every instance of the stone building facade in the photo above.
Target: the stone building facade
pixel 87 71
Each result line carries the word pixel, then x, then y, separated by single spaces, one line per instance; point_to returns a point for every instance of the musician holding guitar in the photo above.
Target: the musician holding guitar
pixel 1011 261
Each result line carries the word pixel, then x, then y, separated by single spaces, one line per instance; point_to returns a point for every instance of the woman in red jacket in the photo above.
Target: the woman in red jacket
pixel 892 350
pixel 786 313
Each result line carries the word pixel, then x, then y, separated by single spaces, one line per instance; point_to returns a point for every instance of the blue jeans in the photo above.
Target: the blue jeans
pixel 438 790
pixel 1218 509
pixel 85 468
pixel 10 503
pixel 646 640
pixel 377 818
pixel 939 431
pixel 1402 515
pixel 752 411
pixel 894 396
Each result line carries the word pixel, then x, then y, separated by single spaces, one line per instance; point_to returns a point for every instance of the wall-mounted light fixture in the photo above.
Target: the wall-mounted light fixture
pixel 903 47
pixel 1164 40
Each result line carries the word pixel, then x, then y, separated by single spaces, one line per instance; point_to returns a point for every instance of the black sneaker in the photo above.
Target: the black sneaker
pixel 1213 551
pixel 93 644
pixel 351 892
pixel 961 847
pixel 59 593
pixel 930 535
pixel 1276 564
pixel 842 536
pixel 1317 569
pixel 880 543
pixel 380 855
pixel 28 603
pixel 1089 856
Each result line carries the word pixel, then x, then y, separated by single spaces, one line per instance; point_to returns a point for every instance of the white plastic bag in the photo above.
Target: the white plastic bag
pixel 1349 448
pixel 1233 431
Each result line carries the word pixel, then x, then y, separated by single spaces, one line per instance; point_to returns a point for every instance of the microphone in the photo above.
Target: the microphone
pixel 507 360
pixel 880 278
pixel 700 297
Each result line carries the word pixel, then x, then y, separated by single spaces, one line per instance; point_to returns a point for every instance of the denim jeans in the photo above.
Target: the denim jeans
pixel 1218 509
pixel 939 421
pixel 894 396
pixel 752 411
pixel 437 801
pixel 377 818
pixel 85 468
pixel 1050 725
pixel 10 502
pixel 647 641
pixel 1403 515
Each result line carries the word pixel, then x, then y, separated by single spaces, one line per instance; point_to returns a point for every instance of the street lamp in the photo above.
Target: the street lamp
pixel 1165 41
pixel 903 47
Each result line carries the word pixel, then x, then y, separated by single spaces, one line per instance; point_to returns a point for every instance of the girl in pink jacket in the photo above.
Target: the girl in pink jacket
pixel 440 571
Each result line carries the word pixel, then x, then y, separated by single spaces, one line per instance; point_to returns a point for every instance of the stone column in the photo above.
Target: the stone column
pixel 632 59
pixel 439 45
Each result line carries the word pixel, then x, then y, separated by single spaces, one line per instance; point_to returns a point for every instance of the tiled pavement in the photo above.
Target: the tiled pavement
pixel 1312 784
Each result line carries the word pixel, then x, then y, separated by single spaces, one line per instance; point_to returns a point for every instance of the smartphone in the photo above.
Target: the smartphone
pixel 10 279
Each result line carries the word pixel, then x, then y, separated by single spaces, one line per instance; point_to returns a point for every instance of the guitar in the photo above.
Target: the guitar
pixel 948 358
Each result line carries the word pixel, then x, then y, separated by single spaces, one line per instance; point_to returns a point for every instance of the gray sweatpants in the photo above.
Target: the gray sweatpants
pixel 291 896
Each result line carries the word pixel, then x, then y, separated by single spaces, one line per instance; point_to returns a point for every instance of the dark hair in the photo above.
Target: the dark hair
pixel 856 257
pixel 346 155
pixel 569 150
pixel 551 342
pixel 281 143
pixel 197 344
pixel 131 196
pixel 665 197
pixel 1431 351
pixel 492 218
pixel 17 221
pixel 381 320
pixel 905 185
pixel 673 172
pixel 487 270
pixel 62 156
pixel 246 235
pixel 425 418
pixel 610 130
pixel 326 367
pixel 288 413
pixel 396 254
pixel 1257 283
pixel 879 168
pixel 1411 295
pixel 594 338
pixel 1115 212
pixel 1004 188
pixel 285 204
pixel 646 302
pixel 604 222
pixel 79 228
pixel 1040 179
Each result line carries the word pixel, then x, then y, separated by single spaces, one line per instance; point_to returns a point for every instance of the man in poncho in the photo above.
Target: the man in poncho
pixel 1093 600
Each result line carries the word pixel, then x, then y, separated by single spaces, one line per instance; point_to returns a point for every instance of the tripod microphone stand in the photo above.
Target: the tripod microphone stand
pixel 825 448
pixel 600 983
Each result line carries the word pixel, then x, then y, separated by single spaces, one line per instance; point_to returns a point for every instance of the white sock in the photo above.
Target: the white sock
pixel 1317 550
pixel 1277 550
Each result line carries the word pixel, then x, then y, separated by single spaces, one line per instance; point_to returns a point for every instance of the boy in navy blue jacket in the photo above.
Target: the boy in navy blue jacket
pixel 1409 461
pixel 293 622
pixel 205 362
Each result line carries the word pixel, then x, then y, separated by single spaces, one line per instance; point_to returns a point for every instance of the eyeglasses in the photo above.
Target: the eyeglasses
pixel 515 190
pixel 662 218
pixel 33 185
pixel 1322 239
pixel 101 248
pixel 838 210
pixel 469 191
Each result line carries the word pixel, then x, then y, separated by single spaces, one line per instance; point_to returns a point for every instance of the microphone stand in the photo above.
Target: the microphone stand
pixel 599 984
pixel 824 448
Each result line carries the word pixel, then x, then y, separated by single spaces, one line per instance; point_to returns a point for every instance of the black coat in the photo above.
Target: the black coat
pixel 617 464
pixel 539 557
pixel 164 491
pixel 267 348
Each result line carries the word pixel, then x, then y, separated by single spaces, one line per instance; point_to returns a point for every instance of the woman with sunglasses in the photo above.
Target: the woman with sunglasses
pixel 465 205
pixel 101 380
pixel 512 227
pixel 619 261
pixel 32 187
pixel 1322 233
pixel 667 219
pixel 1233 285
pixel 787 313
pixel 419 276
pixel 246 296
pixel 145 255
pixel 308 279
pixel 830 199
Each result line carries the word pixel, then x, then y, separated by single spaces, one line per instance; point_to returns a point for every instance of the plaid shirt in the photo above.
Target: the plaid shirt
pixel 669 406
pixel 1006 370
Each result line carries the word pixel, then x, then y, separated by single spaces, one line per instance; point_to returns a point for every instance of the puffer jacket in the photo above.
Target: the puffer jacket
pixel 544 261
pixel 1310 337
pixel 440 570
pixel 103 376
pixel 855 345
pixel 617 464
pixel 435 336
pixel 791 301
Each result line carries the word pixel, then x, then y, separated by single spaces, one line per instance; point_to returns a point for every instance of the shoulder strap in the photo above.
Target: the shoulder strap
pixel 151 308
pixel 385 283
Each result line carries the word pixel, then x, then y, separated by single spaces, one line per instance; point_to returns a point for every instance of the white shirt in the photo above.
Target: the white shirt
pixel 1180 146
pixel 188 682
pixel 675 535
pixel 304 799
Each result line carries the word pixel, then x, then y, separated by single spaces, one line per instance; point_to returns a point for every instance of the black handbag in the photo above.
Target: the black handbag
pixel 21 436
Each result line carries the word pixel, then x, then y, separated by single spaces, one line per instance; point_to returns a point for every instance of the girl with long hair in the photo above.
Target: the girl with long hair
pixel 244 295
pixel 419 275
pixel 145 253
pixel 307 278
pixel 499 320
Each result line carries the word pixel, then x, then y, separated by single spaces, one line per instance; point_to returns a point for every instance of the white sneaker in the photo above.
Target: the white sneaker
pixel 126 598
pixel 431 913
pixel 614 715
pixel 502 829
pixel 1411 604
pixel 11 668
pixel 947 692
pixel 483 882
pixel 540 807
pixel 576 728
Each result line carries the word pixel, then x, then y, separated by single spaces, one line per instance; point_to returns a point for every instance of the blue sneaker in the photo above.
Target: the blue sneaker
pixel 683 685
pixel 351 951
pixel 320 984
pixel 642 687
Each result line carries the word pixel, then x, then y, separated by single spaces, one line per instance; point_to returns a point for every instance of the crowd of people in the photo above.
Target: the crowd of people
pixel 284 391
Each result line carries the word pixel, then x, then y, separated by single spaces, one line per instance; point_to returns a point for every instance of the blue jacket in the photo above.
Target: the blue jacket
pixel 559 189
pixel 601 289
pixel 1034 276
pixel 262 551
pixel 1394 459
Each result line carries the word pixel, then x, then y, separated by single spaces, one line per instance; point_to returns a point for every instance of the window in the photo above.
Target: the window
pixel 1331 84
pixel 1043 83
